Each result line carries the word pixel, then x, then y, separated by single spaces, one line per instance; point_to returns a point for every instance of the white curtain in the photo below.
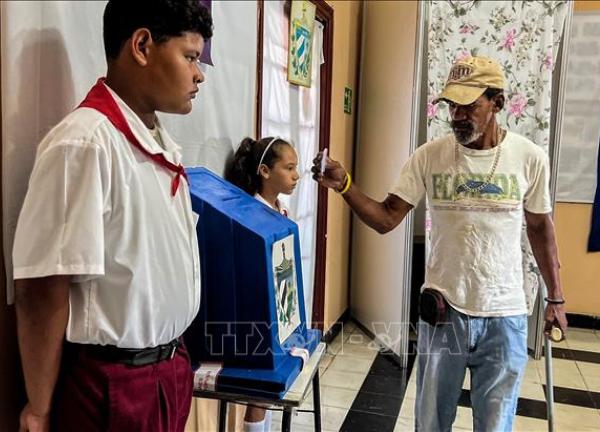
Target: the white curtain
pixel 523 36
pixel 580 131
pixel 52 52
pixel 292 112
pixel 224 113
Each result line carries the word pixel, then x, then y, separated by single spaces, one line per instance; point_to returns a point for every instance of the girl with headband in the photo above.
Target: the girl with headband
pixel 264 169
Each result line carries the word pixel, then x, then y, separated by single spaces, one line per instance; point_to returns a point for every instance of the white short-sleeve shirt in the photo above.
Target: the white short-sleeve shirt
pixel 100 210
pixel 475 258
pixel 279 208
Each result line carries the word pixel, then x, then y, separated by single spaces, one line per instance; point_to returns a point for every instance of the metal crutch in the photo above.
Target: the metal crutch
pixel 549 383
pixel 555 335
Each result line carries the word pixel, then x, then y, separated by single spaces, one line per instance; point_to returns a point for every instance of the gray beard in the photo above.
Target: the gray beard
pixel 467 139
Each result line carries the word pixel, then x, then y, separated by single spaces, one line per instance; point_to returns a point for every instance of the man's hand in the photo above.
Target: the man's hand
pixel 334 175
pixel 555 317
pixel 33 422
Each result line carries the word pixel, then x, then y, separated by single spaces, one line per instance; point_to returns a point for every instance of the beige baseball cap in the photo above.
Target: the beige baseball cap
pixel 469 78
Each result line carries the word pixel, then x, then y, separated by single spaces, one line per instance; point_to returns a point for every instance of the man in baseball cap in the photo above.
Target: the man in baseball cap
pixel 480 181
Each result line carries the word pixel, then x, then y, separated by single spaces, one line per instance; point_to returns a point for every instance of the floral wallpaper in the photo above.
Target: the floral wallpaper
pixel 523 36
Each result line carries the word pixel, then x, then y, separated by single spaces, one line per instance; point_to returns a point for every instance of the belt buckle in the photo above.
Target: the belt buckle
pixel 136 360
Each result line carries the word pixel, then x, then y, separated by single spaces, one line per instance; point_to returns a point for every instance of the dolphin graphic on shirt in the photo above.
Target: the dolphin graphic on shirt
pixel 472 184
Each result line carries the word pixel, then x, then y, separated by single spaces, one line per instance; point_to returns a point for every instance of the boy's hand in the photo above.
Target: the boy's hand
pixel 32 422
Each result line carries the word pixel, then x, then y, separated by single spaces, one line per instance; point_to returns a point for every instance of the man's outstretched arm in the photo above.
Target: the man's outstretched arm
pixel 381 216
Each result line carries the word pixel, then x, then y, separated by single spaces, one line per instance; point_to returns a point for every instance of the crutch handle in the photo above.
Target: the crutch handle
pixel 556 334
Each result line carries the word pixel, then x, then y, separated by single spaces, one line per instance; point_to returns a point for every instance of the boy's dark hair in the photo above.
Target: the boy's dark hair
pixel 164 19
pixel 241 171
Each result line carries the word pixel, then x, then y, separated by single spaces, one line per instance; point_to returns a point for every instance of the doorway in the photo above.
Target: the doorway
pixel 301 114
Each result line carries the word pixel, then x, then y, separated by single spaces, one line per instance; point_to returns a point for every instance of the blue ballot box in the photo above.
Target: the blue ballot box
pixel 252 317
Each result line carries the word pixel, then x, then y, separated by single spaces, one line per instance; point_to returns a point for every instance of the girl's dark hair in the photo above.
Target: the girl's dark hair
pixel 241 171
pixel 164 19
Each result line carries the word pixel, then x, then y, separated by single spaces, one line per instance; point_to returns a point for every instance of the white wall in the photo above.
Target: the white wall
pixel 52 52
pixel 383 148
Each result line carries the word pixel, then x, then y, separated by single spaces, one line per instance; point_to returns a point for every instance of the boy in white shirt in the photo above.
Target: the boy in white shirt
pixel 105 254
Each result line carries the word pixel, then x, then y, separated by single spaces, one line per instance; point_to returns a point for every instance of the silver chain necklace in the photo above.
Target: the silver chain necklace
pixel 488 178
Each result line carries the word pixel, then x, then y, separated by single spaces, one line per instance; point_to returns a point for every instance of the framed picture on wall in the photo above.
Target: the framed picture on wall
pixel 302 20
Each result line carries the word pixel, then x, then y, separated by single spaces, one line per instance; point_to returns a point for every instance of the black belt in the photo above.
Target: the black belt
pixel 131 356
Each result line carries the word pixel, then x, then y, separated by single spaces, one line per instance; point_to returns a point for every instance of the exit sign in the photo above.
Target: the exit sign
pixel 348 100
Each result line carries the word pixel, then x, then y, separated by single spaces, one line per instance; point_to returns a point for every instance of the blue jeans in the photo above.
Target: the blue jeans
pixel 494 350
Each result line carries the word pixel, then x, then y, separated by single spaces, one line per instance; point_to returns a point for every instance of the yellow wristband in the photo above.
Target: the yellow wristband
pixel 344 182
pixel 348 183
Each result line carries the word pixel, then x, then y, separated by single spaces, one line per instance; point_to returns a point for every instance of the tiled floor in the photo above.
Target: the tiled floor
pixel 363 390
pixel 343 369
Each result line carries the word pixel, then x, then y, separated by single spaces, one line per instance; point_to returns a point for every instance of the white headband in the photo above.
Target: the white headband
pixel 265 152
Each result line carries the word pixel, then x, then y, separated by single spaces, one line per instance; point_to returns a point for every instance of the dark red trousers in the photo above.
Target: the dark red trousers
pixel 93 395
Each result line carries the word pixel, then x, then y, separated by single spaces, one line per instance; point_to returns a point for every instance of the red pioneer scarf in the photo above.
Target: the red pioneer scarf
pixel 100 99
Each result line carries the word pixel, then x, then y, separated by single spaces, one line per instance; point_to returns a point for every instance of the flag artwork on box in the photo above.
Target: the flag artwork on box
pixel 286 288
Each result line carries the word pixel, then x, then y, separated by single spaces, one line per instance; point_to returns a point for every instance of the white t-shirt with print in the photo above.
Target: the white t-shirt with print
pixel 476 258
